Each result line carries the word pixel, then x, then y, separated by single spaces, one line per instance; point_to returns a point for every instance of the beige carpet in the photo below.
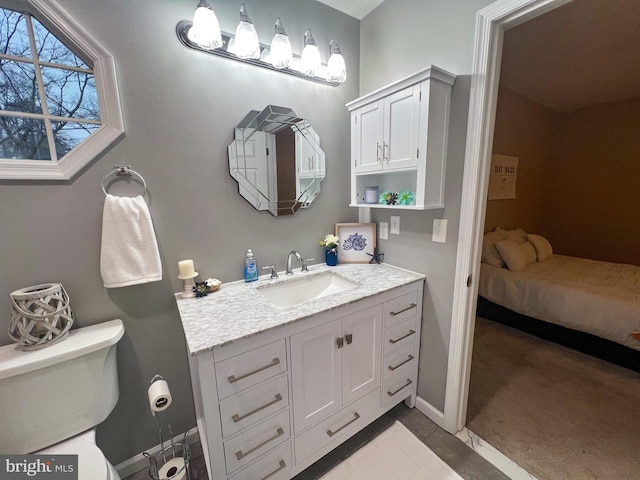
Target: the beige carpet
pixel 558 413
pixel 395 454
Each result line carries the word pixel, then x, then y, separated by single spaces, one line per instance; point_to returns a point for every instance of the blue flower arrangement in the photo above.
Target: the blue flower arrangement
pixel 406 197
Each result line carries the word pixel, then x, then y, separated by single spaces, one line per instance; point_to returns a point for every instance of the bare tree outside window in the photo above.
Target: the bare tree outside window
pixel 48 97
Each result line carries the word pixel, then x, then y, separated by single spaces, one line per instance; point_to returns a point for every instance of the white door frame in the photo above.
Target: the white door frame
pixel 491 22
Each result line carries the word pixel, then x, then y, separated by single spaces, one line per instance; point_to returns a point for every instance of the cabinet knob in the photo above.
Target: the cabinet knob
pixel 340 342
pixel 349 338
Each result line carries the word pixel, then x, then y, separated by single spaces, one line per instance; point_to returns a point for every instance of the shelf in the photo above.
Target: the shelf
pixel 395 207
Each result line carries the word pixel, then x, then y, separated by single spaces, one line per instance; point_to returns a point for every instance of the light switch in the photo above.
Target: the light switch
pixel 395 224
pixel 383 227
pixel 439 230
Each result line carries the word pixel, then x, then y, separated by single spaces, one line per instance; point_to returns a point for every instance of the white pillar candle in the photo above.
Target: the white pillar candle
pixel 186 268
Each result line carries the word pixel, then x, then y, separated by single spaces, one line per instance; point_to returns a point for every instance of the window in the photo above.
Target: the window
pixel 58 98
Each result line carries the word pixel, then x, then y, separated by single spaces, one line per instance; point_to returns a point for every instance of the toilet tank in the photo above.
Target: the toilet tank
pixel 56 392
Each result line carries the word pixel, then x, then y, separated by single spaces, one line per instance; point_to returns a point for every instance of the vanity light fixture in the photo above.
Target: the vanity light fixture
pixel 281 54
pixel 337 70
pixel 204 34
pixel 246 43
pixel 205 30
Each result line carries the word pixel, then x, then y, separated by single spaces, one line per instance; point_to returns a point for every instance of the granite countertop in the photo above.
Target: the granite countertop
pixel 238 311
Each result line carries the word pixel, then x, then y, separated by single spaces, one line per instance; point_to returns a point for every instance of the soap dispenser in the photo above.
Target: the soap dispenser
pixel 250 268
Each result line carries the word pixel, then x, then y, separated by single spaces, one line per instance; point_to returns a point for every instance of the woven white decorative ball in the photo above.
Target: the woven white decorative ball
pixel 40 316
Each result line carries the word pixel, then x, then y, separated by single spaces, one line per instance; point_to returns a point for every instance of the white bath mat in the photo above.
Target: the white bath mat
pixel 395 454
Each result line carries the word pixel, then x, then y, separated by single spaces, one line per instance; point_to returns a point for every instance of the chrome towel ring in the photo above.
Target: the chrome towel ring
pixel 123 170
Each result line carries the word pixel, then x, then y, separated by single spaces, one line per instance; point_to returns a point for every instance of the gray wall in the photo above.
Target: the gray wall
pixel 401 37
pixel 179 108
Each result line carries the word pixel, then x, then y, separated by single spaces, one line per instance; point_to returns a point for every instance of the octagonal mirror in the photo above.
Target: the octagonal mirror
pixel 277 161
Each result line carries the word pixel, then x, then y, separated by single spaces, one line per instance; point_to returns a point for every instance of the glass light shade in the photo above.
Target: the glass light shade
pixel 205 30
pixel 337 70
pixel 310 55
pixel 246 38
pixel 281 54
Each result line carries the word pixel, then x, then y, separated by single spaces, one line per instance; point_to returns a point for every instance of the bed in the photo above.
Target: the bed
pixel 589 305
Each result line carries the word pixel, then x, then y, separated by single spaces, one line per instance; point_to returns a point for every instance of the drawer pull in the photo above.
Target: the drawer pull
pixel 356 416
pixel 240 454
pixel 391 394
pixel 409 358
pixel 413 305
pixel 233 378
pixel 411 332
pixel 281 467
pixel 349 338
pixel 236 418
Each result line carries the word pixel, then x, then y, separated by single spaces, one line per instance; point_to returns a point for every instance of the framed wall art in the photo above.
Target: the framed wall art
pixel 357 242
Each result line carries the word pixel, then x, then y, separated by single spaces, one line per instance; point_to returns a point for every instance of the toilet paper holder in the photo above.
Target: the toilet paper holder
pixel 171 462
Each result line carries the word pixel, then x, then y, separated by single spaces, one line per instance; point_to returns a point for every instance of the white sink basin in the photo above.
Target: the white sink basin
pixel 305 288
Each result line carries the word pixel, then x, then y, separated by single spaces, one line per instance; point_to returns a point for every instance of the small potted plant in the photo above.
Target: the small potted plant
pixel 330 243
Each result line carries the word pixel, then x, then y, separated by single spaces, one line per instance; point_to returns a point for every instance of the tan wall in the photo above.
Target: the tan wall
pixel 524 129
pixel 578 176
pixel 592 195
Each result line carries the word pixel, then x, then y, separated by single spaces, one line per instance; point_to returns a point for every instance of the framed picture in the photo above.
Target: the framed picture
pixel 357 242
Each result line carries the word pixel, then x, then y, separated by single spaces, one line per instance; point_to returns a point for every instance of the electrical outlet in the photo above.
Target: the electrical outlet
pixel 395 225
pixel 439 230
pixel 383 227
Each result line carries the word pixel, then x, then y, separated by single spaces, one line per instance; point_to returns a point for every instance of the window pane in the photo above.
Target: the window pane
pixel 23 138
pixel 18 87
pixel 70 94
pixel 50 49
pixel 14 36
pixel 69 134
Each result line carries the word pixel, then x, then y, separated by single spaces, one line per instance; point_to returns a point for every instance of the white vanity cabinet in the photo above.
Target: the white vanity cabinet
pixel 399 139
pixel 269 405
pixel 334 364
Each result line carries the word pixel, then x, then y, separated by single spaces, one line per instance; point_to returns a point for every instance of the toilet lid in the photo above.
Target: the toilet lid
pixel 91 462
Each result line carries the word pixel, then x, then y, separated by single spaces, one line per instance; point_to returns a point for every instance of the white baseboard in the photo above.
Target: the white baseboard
pixel 140 462
pixel 432 413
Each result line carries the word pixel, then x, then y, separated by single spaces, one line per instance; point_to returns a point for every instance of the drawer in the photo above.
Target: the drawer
pixel 247 446
pixel 247 369
pixel 253 405
pixel 399 386
pixel 339 426
pixel 400 308
pixel 400 335
pixel 275 465
pixel 395 360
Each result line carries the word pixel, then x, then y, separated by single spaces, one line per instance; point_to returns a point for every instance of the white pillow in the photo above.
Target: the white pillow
pixel 517 234
pixel 516 255
pixel 490 255
pixel 542 246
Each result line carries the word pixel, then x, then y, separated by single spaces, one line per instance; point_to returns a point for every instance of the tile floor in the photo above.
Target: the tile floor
pixel 460 457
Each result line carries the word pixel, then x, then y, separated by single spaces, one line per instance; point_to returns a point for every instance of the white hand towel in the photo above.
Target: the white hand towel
pixel 129 253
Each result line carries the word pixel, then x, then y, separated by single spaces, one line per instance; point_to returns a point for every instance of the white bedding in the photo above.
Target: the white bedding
pixel 596 297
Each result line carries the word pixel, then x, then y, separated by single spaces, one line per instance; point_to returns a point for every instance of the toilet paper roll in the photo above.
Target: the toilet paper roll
pixel 159 396
pixel 171 470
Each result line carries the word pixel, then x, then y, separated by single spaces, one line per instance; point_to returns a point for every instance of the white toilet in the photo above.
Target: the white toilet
pixel 53 398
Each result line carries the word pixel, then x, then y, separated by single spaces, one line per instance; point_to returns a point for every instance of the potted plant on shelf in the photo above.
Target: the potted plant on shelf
pixel 330 244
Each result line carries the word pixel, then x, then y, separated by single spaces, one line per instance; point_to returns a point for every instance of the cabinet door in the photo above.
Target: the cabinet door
pixel 401 129
pixel 368 137
pixel 361 353
pixel 316 370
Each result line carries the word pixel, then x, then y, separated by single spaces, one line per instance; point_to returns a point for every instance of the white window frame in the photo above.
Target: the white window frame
pixel 52 16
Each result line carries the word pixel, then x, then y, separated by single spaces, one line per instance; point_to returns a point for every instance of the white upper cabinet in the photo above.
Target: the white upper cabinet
pixel 399 141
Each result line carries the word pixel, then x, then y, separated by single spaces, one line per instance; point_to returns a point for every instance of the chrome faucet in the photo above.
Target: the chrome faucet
pixel 289 257
pixel 303 262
